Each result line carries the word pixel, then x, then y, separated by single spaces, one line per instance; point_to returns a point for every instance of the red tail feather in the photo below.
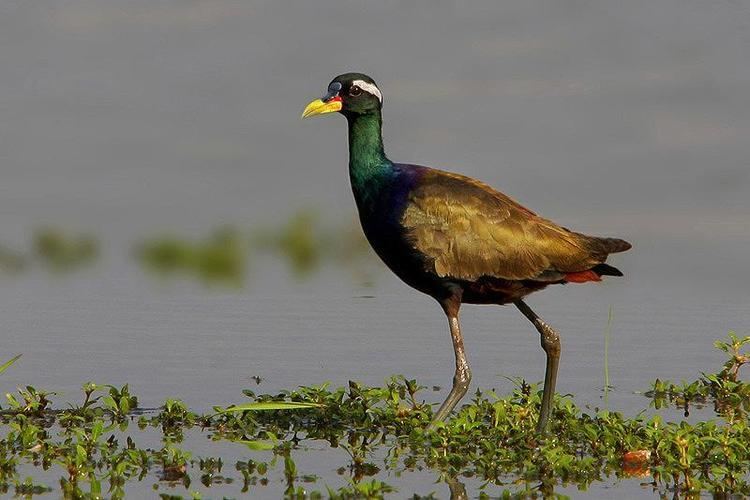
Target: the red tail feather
pixel 582 277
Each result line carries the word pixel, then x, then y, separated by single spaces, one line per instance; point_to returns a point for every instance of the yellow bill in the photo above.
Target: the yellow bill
pixel 320 107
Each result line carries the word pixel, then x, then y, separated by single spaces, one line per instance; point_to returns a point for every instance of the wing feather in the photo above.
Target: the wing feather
pixel 466 230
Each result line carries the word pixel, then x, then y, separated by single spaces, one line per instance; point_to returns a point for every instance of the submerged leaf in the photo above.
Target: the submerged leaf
pixel 257 445
pixel 269 405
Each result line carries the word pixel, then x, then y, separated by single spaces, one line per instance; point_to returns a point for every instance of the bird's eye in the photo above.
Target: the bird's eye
pixel 355 91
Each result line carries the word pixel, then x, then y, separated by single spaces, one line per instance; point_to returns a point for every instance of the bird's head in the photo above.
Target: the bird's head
pixel 349 94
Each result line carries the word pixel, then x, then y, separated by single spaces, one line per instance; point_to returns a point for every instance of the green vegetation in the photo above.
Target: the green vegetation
pixel 64 251
pixel 8 363
pixel 93 446
pixel 53 249
pixel 268 405
pixel 298 242
pixel 303 243
pixel 729 395
pixel 11 261
pixel 306 244
pixel 220 258
pixel 607 335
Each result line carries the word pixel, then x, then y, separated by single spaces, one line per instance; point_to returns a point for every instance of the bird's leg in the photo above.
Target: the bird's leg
pixel 462 376
pixel 551 345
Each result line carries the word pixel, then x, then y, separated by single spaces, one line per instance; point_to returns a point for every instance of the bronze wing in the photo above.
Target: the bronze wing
pixel 466 230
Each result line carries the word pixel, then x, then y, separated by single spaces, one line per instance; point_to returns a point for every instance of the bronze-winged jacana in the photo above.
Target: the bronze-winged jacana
pixel 455 238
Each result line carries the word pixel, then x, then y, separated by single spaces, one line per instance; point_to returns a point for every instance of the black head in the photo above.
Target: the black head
pixel 349 94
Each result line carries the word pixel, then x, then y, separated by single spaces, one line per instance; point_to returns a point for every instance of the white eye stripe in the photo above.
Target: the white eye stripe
pixel 370 88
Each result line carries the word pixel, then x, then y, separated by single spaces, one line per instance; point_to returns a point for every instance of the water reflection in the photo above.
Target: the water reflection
pixel 457 489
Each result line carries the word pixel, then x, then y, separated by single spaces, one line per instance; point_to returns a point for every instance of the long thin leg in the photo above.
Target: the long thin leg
pixel 462 376
pixel 551 345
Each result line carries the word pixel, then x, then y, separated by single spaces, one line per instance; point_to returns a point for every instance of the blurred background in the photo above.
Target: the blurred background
pixel 148 147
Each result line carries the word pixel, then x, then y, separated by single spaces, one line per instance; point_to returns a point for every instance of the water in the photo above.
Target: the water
pixel 627 119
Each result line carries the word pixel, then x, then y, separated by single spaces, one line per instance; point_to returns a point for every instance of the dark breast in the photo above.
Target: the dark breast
pixel 380 213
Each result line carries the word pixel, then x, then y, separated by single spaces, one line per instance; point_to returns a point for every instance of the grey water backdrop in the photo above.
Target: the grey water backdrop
pixel 126 119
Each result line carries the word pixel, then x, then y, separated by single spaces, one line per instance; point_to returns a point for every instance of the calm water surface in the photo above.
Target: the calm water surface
pixel 127 119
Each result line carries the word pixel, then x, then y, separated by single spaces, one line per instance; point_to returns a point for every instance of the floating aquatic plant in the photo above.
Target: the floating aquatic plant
pixel 491 441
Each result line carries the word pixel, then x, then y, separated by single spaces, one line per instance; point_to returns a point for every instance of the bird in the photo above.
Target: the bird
pixel 455 238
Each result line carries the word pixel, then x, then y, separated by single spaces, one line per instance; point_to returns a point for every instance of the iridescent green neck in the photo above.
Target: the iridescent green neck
pixel 368 165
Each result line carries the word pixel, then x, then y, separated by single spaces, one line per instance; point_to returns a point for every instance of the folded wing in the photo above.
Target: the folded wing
pixel 466 230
